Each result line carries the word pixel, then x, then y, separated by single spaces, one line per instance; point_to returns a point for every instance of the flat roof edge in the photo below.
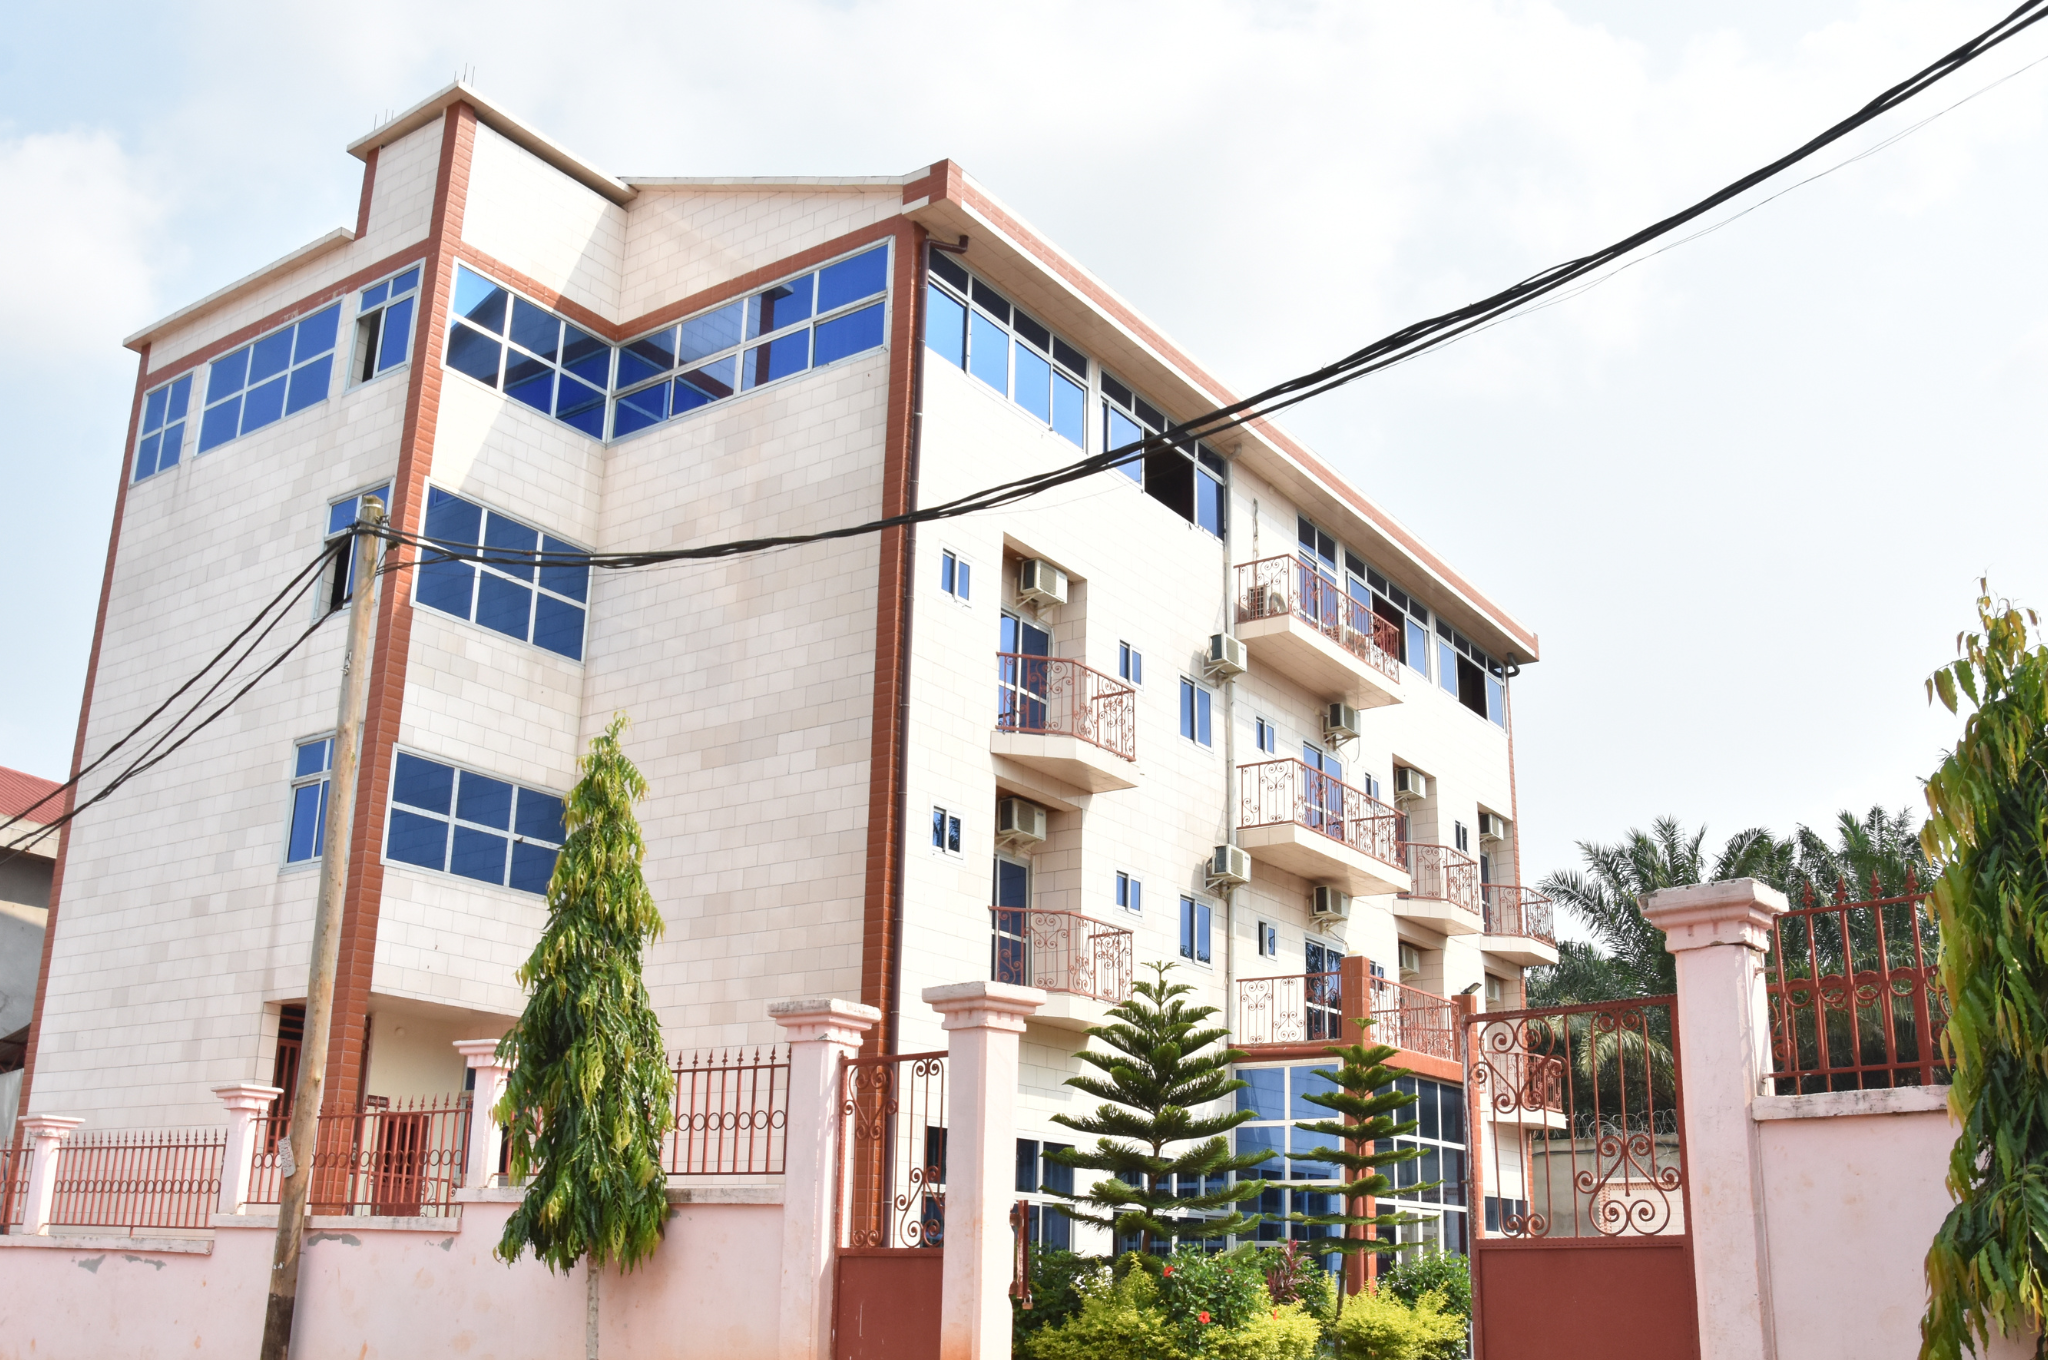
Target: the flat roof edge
pixel 771 181
pixel 340 236
pixel 506 125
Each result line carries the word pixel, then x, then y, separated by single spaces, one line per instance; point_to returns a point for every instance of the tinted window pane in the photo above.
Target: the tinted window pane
pixel 417 840
pixel 453 519
pixel 374 297
pixel 504 606
pixel 644 358
pixel 712 382
pixel 580 405
pixel 309 384
pixel 1307 1081
pixel 1418 646
pixel 316 334
pixel 558 626
pixel 422 783
pixel 851 280
pixel 312 759
pixel 776 359
pixel 474 354
pixel 181 394
pixel 1261 1140
pixel 530 380
pixel 153 408
pixel 988 354
pixel 220 424
pixel 1122 430
pixel 1115 390
pixel 270 356
pixel 486 801
pixel 1032 331
pixel 173 445
pixel 447 586
pixel 405 282
pixel 308 803
pixel 510 536
pixel 540 816
pixel 263 405
pixel 783 305
pixel 1034 383
pixel 1265 1096
pixel 480 300
pixel 997 305
pixel 588 357
pixel 945 326
pixel 648 406
pixel 532 867
pixel 1058 1179
pixel 227 375
pixel 145 455
pixel 709 333
pixel 1072 358
pixel 571 581
pixel 1070 410
pixel 535 329
pixel 944 266
pixel 479 855
pixel 850 334
pixel 397 342
pixel 1209 504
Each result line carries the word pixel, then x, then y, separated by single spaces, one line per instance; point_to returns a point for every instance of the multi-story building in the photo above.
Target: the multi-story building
pixel 1214 708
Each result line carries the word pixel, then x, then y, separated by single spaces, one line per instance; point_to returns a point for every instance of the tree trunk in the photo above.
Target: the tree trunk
pixel 590 1309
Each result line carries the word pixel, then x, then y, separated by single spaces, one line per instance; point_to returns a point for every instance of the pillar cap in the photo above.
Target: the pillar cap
pixel 49 1125
pixel 989 1005
pixel 829 1018
pixel 246 1095
pixel 1733 911
pixel 479 1052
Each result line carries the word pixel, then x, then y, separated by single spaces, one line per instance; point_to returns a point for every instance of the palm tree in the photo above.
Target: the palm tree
pixel 1874 855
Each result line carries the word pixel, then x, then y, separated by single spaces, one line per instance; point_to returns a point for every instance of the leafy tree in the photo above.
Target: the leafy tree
pixel 1988 1264
pixel 588 1097
pixel 1154 1077
pixel 1365 1099
pixel 1873 854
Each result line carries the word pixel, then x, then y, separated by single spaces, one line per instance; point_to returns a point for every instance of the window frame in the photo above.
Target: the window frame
pixel 1197 940
pixel 967 292
pixel 380 311
pixel 1130 664
pixel 337 589
pixel 1197 713
pixel 293 784
pixel 420 576
pixel 509 349
pixel 1265 734
pixel 956 575
pixel 952 840
pixel 294 365
pixel 454 819
pixel 1205 462
pixel 1129 892
pixel 165 423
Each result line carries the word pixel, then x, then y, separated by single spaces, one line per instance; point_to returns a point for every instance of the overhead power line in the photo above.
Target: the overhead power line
pixel 1399 346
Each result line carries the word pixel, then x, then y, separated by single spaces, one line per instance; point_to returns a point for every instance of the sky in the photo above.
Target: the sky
pixel 1744 491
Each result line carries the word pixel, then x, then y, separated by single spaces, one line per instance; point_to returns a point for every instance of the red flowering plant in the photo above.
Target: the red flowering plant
pixel 1202 1290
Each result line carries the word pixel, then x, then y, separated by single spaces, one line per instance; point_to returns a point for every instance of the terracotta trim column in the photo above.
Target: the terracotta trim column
pixel 1718 933
pixel 821 1032
pixel 45 1134
pixel 245 1100
pixel 984 1022
pixel 486 1137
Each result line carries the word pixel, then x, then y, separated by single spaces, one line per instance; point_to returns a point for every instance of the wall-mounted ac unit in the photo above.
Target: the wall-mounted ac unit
pixel 1330 904
pixel 1040 582
pixel 1410 783
pixel 1019 822
pixel 1411 961
pixel 1226 656
pixel 1229 867
pixel 1492 826
pixel 1340 722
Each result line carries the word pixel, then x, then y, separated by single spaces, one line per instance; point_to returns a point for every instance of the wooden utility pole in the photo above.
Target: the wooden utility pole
pixel 303 1137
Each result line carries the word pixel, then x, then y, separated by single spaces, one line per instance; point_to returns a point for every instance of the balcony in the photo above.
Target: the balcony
pixel 1444 895
pixel 1511 1086
pixel 1309 1009
pixel 1319 828
pixel 1518 925
pixel 1063 720
pixel 1306 628
pixel 1083 965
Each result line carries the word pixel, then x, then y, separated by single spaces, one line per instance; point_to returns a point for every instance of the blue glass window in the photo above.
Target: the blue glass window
pixel 341 517
pixel 945 326
pixel 162 440
pixel 1007 349
pixel 805 322
pixel 1188 478
pixel 1194 930
pixel 307 834
pixel 504 586
pixel 384 324
pixel 1195 712
pixel 549 364
pixel 471 825
pixel 279 375
pixel 988 351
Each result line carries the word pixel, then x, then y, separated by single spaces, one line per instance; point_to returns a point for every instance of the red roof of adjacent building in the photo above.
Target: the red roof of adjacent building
pixel 20 791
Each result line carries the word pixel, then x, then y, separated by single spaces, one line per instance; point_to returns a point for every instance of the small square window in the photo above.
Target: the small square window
pixel 1130 664
pixel 1269 940
pixel 1196 704
pixel 1194 930
pixel 1130 893
pixel 1463 837
pixel 945 831
pixel 1265 735
pixel 956 575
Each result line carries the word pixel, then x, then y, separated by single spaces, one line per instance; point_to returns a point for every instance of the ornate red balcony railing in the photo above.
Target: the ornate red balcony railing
pixel 730 1114
pixel 1055 696
pixel 1418 1021
pixel 1276 792
pixel 1511 909
pixel 1856 1001
pixel 1276 587
pixel 404 1158
pixel 1061 951
pixel 893 1147
pixel 1308 1008
pixel 1441 874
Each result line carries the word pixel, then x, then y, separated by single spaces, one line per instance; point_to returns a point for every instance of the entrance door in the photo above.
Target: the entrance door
pixel 1021 679
pixel 1010 948
pixel 1324 794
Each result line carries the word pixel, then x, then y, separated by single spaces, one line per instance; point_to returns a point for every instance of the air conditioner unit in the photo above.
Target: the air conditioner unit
pixel 1019 822
pixel 1492 826
pixel 1330 904
pixel 1411 960
pixel 1341 722
pixel 1041 582
pixel 1410 783
pixel 1226 656
pixel 1229 867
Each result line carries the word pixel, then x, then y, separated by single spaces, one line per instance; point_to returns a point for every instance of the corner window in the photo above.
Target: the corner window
pixel 1195 706
pixel 486 568
pixel 163 427
pixel 972 326
pixel 1188 479
pixel 1478 681
pixel 529 353
pixel 1130 893
pixel 1130 664
pixel 463 823
pixel 341 518
pixel 945 831
pixel 779 332
pixel 1194 930
pixel 384 324
pixel 278 376
pixel 956 575
pixel 312 761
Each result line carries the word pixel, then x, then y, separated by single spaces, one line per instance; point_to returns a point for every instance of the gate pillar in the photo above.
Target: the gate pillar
pixel 1718 934
pixel 984 1022
pixel 821 1032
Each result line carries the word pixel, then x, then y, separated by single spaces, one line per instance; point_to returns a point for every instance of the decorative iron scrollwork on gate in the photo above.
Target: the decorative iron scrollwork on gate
pixel 893 1152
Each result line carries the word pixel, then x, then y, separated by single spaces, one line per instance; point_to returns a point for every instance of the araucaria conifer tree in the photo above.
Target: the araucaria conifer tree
pixel 1153 1078
pixel 1365 1099
pixel 1987 1269
pixel 588 1097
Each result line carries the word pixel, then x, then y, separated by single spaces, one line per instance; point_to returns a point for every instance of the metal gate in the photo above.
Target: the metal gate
pixel 892 1208
pixel 1581 1249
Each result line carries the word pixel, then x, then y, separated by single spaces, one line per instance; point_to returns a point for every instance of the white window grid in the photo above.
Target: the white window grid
pixel 557 584
pixel 341 516
pixel 956 575
pixel 161 441
pixel 451 817
pixel 306 824
pixel 278 375
pixel 384 324
pixel 1130 892
pixel 1038 370
pixel 532 354
pixel 945 830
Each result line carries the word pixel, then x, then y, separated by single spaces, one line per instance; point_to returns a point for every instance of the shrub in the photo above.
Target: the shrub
pixel 1377 1326
pixel 1055 1296
pixel 1120 1321
pixel 1295 1276
pixel 1201 1291
pixel 1283 1333
pixel 1445 1272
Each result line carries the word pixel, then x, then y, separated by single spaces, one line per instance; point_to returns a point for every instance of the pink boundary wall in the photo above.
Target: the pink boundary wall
pixel 380 1293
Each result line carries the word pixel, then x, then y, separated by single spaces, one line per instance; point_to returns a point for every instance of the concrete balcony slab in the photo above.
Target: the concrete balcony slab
pixel 1077 763
pixel 1307 853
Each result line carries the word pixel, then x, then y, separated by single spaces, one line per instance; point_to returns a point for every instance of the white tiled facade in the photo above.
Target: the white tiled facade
pixel 751 682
